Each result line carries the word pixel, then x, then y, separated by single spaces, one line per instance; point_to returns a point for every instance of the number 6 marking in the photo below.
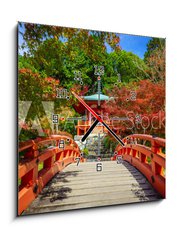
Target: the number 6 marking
pixel 99 167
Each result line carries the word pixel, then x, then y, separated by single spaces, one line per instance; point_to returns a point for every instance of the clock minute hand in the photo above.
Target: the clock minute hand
pixel 87 107
pixel 98 118
pixel 113 133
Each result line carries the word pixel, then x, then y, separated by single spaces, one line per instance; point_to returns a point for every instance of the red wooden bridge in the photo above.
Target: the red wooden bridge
pixel 50 179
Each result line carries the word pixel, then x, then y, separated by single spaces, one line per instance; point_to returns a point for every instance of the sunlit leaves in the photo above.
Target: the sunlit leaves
pixel 149 104
pixel 155 59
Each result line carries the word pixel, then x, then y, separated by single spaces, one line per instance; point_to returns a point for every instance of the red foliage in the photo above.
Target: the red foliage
pixel 43 87
pixel 81 90
pixel 146 114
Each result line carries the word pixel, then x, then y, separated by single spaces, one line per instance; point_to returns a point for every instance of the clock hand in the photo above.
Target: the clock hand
pixel 90 130
pixel 113 133
pixel 98 118
pixel 87 107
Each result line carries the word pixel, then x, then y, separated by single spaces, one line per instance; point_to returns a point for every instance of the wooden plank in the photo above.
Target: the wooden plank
pixel 82 186
pixel 108 188
pixel 56 197
pixel 109 202
pixel 99 183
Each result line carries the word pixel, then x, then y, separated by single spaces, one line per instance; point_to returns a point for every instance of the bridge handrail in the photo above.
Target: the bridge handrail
pixel 32 179
pixel 150 160
pixel 30 143
pixel 152 139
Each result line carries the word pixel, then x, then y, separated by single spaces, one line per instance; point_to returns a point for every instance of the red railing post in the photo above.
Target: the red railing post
pixel 149 160
pixel 54 160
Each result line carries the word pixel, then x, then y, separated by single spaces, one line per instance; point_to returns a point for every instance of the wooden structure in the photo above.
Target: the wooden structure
pixel 80 185
pixel 62 151
pixel 83 187
pixel 92 101
pixel 146 153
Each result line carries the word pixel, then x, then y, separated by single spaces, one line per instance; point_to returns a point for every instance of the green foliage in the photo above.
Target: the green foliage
pixel 85 152
pixel 153 45
pixel 27 134
pixel 92 42
pixel 54 53
pixel 68 127
pixel 109 143
pixel 58 51
pixel 155 59
pixel 40 166
pixel 48 58
pixel 129 65
pixel 25 62
pixel 29 85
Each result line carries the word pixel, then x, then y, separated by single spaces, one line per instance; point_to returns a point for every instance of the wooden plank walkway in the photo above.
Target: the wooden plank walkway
pixel 82 187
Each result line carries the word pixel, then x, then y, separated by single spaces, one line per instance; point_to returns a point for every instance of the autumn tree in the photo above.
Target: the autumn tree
pixel 89 40
pixel 144 114
pixel 155 59
pixel 52 54
pixel 60 51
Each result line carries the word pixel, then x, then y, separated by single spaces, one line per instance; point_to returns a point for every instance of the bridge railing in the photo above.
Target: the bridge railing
pixel 147 154
pixel 39 161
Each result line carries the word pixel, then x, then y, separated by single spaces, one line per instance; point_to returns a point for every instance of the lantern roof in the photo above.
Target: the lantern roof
pixel 95 97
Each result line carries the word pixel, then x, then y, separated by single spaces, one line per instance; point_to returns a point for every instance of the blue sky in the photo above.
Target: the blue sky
pixel 130 43
pixel 133 43
pixel 20 39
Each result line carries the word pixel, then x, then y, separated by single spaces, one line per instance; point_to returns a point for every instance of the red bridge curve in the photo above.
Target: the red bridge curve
pixel 54 160
pixel 144 152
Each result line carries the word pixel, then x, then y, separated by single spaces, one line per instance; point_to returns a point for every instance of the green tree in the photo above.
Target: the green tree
pixel 128 65
pixel 155 59
pixel 58 51
pixel 26 63
pixel 153 45
pixel 88 40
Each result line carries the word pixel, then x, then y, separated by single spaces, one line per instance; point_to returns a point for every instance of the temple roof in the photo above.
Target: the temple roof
pixel 94 97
